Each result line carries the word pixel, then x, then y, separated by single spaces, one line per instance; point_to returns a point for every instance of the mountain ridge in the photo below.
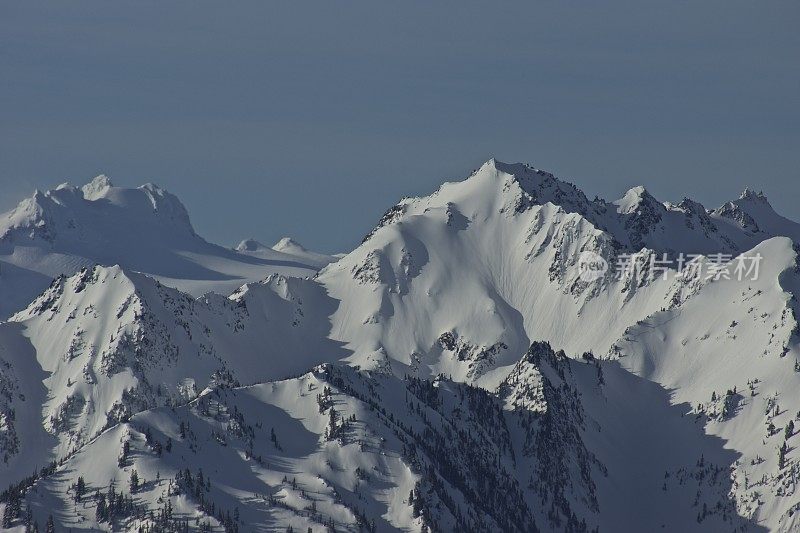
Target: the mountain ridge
pixel 459 352
pixel 146 229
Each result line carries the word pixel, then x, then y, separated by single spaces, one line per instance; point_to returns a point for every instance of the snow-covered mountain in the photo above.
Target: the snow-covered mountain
pixel 286 248
pixel 457 371
pixel 114 343
pixel 508 240
pixel 145 229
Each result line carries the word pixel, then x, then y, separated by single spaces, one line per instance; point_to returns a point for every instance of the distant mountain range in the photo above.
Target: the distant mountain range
pixel 145 229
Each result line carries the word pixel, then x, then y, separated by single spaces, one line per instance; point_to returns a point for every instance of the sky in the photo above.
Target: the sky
pixel 310 119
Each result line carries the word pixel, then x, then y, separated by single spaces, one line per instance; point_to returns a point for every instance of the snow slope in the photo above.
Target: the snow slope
pixel 731 355
pixel 112 343
pixel 506 241
pixel 540 453
pixel 459 335
pixel 145 229
pixel 286 248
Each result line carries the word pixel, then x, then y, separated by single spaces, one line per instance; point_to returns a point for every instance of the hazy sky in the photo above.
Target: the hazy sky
pixel 310 119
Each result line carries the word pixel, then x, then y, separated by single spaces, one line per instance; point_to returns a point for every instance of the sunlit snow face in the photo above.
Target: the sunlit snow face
pixel 591 266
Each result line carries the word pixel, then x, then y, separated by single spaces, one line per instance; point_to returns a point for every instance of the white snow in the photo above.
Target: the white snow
pixel 440 334
pixel 145 229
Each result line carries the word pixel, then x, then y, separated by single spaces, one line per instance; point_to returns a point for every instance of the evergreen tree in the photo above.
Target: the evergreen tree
pixel 101 514
pixel 27 518
pixel 782 456
pixel 134 481
pixel 331 430
pixel 50 527
pixel 13 509
pixel 80 488
pixel 126 450
pixel 7 519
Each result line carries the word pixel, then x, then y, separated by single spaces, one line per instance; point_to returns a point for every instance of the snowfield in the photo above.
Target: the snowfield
pixel 145 229
pixel 457 371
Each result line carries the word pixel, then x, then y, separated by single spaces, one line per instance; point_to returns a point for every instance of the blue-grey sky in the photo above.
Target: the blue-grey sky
pixel 310 119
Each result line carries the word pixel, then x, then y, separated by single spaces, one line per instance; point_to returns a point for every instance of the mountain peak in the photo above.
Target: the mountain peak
pixel 634 199
pixel 249 245
pixel 514 169
pixel 752 195
pixel 97 187
pixel 494 163
pixel 691 206
pixel 287 243
pixel 67 209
